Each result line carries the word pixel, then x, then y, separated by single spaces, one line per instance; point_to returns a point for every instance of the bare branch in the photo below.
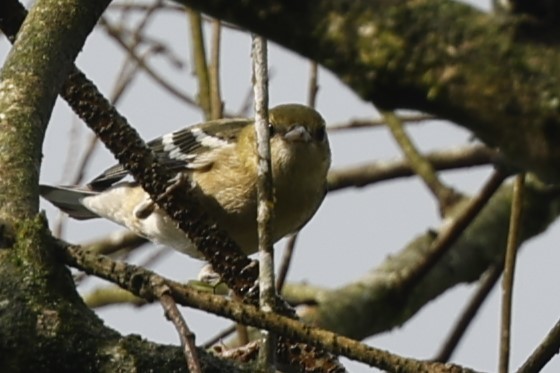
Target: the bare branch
pixel 187 337
pixel 215 90
pixel 509 270
pixel 313 87
pixel 285 262
pixel 367 174
pixel 381 122
pixel 200 66
pixel 140 282
pixel 265 197
pixel 486 285
pixel 445 195
pixel 544 352
pixel 112 31
pixel 452 231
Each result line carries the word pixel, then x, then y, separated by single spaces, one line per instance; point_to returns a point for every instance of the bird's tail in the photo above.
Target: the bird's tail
pixel 68 199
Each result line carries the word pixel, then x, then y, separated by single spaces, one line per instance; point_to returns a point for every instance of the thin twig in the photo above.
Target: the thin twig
pixel 241 331
pixel 380 122
pixel 126 75
pixel 129 67
pixel 74 147
pixel 218 337
pixel 155 256
pixel 247 102
pixel 115 241
pixel 445 195
pixel 126 7
pixel 448 237
pixel 544 352
pixel 110 296
pixel 155 45
pixel 285 262
pixel 186 336
pixel 509 270
pixel 137 36
pixel 69 163
pixel 313 87
pixel 265 197
pixel 486 285
pixel 370 173
pixel 216 103
pixel 87 155
pixel 200 65
pixel 113 31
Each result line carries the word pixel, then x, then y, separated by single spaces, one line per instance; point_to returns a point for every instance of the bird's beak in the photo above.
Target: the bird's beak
pixel 298 133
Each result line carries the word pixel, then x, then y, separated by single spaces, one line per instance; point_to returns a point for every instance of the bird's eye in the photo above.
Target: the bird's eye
pixel 271 130
pixel 320 134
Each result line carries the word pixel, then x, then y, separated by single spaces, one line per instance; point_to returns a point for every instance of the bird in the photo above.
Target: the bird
pixel 219 158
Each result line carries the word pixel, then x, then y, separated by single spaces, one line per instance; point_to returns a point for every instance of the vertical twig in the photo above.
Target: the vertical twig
pixel 200 66
pixel 216 103
pixel 487 283
pixel 509 270
pixel 285 262
pixel 264 193
pixel 313 88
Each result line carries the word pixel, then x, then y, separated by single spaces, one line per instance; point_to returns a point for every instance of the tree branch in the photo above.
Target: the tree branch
pixel 436 56
pixel 348 309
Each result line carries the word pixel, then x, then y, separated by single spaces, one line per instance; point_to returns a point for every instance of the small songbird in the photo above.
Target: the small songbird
pixel 219 158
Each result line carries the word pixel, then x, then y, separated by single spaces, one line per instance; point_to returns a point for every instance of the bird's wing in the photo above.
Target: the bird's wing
pixel 191 148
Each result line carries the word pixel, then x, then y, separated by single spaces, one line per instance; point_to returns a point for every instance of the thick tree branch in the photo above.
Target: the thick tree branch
pixel 437 56
pixel 348 309
pixel 145 283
